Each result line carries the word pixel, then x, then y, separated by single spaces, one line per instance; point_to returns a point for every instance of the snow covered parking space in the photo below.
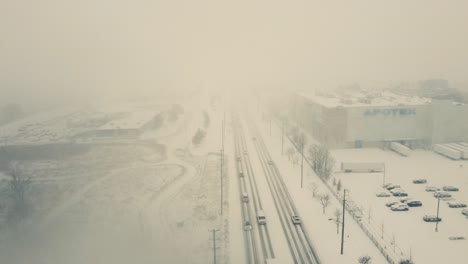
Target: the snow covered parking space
pixel 412 235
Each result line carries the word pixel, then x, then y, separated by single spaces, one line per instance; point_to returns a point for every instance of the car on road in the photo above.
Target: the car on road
pixel 295 219
pixel 399 207
pixel 245 152
pixel 390 204
pixel 241 174
pixel 432 218
pixel 247 226
pixel 393 186
pixel 432 189
pixel 456 205
pixel 270 162
pixel 261 218
pixel 465 212
pixel 400 194
pixel 440 194
pixel 245 198
pixel 419 181
pixel 382 194
pixel 238 158
pixel 254 138
pixel 414 203
pixel 450 189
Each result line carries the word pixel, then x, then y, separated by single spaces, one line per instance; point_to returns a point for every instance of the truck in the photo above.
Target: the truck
pixel 362 166
pixel 461 148
pixel 447 152
pixel 261 219
pixel 400 149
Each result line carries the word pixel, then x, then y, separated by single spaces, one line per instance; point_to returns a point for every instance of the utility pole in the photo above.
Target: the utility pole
pixel 437 219
pixel 383 174
pixel 343 221
pixel 302 162
pixel 214 244
pixel 222 160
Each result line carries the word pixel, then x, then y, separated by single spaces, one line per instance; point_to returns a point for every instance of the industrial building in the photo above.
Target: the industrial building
pixel 375 119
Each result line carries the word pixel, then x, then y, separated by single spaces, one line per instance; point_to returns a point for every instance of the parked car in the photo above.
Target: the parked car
pixel 245 152
pixel 399 207
pixel 456 205
pixel 387 184
pixel 465 212
pixel 432 218
pixel 382 194
pixel 394 186
pixel 432 189
pixel 389 204
pixel 397 190
pixel 295 219
pixel 419 181
pixel 400 194
pixel 414 203
pixel 450 189
pixel 440 194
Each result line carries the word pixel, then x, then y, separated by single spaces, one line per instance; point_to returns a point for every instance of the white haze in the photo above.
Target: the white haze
pixel 55 50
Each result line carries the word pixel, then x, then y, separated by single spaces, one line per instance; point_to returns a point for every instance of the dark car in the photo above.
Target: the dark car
pixel 394 186
pixel 414 203
pixel 432 218
pixel 400 194
pixel 450 189
pixel 419 181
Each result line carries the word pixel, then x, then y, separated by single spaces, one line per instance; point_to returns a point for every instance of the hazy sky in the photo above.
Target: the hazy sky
pixel 53 48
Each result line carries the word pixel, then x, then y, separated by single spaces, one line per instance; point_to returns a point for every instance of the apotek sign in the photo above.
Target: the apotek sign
pixel 391 112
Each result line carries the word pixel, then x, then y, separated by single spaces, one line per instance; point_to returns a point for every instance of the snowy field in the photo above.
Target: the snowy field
pixel 411 234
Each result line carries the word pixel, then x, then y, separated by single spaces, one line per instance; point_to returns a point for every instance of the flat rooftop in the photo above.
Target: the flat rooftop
pixel 359 99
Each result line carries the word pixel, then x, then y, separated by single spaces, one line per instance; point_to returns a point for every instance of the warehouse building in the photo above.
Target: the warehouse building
pixel 378 118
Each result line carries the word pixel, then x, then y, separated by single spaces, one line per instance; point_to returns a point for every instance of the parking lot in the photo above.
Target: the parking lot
pixel 410 232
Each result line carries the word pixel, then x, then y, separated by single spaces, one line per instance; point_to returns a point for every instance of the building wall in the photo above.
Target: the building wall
pixel 373 124
pixel 450 122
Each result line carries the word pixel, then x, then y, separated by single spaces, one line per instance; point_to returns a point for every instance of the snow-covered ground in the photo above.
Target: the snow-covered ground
pixel 412 235
pixel 322 231
pixel 141 200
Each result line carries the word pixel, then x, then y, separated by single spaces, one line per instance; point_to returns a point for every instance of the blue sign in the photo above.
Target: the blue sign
pixel 391 112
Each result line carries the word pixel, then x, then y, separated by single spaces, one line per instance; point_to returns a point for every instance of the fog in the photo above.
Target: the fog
pixel 112 111
pixel 87 49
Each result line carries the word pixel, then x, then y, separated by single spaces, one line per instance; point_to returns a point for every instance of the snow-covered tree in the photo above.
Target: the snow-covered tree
pixel 325 201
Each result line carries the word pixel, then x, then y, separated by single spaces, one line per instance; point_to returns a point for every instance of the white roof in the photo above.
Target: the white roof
pixel 356 99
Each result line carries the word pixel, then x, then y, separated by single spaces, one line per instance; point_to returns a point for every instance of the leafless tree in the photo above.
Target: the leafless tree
pixel 18 186
pixel 325 201
pixel 322 162
pixel 337 219
pixel 365 260
pixel 314 188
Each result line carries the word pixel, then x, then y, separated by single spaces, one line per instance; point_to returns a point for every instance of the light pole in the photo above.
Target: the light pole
pixel 437 218
pixel 383 184
pixel 343 221
pixel 302 162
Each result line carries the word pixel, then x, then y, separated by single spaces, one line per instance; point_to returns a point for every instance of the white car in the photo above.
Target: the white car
pixel 399 207
pixel 465 212
pixel 382 194
pixel 295 219
pixel 432 189
pixel 456 205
